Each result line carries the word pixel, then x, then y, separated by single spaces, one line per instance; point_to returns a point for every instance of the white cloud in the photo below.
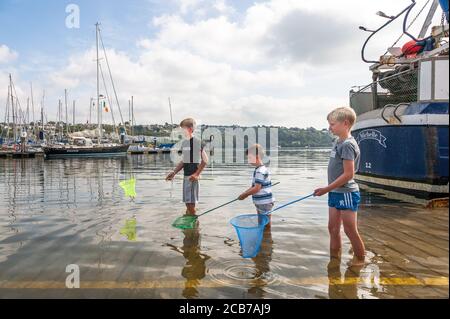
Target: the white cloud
pixel 187 5
pixel 7 55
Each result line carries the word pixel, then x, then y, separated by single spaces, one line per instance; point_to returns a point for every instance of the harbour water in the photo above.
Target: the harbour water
pixel 73 212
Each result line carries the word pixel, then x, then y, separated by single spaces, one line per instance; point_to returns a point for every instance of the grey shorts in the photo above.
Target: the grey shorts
pixel 190 191
pixel 264 208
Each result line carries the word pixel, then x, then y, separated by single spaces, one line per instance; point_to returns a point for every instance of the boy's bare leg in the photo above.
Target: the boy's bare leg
pixel 190 209
pixel 350 221
pixel 334 228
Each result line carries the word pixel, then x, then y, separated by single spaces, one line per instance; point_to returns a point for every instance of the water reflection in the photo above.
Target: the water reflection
pixel 129 230
pixel 194 269
pixel 262 266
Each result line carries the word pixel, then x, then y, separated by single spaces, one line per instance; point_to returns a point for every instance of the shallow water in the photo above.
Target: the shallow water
pixel 61 212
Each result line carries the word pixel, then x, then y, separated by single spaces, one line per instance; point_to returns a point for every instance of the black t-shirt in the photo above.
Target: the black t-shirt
pixel 192 155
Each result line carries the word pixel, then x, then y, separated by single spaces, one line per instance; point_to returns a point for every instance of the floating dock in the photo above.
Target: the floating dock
pixel 14 154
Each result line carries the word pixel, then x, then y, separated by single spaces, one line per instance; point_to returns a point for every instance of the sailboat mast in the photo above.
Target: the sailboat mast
pixel 171 116
pixel 91 101
pixel 98 87
pixel 59 120
pixel 42 112
pixel 67 118
pixel 13 110
pixel 7 114
pixel 32 103
pixel 132 115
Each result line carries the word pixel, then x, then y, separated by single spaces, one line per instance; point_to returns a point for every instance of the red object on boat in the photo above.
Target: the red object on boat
pixel 411 48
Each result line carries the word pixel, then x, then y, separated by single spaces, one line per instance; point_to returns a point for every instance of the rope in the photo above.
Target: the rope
pixel 108 97
pixel 110 75
pixel 412 22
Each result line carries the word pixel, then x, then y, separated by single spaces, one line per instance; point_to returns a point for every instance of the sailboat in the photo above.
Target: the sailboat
pixel 82 146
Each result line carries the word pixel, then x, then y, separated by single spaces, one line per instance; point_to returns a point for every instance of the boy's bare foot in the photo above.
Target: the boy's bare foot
pixel 356 262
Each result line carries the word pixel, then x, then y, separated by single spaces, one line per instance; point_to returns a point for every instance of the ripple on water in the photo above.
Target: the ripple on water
pixel 242 273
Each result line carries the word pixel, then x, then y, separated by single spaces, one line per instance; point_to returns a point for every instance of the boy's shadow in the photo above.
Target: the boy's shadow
pixel 195 268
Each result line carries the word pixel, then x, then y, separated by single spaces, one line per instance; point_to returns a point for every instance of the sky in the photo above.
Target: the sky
pixel 223 62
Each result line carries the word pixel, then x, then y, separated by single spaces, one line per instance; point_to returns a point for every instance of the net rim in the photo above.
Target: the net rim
pixel 264 223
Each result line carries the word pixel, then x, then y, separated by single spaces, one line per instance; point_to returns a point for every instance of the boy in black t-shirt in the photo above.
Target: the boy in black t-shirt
pixel 194 161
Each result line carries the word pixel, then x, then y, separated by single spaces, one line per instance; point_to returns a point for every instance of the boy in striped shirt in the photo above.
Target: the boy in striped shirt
pixel 261 190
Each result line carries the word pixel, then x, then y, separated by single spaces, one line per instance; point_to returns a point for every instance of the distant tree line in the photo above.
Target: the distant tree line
pixel 287 137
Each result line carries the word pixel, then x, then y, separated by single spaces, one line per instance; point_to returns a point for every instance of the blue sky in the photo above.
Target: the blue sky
pixel 39 25
pixel 272 62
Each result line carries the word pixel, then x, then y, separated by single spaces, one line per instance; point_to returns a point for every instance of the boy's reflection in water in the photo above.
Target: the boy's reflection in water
pixel 195 267
pixel 262 265
pixel 346 288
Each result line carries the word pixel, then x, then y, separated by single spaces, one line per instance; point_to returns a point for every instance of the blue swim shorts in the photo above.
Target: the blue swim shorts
pixel 344 201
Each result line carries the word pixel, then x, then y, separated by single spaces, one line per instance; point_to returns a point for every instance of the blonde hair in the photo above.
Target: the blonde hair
pixel 341 114
pixel 188 123
pixel 256 150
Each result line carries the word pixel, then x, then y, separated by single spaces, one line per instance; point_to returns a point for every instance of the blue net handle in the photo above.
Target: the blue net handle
pixel 288 204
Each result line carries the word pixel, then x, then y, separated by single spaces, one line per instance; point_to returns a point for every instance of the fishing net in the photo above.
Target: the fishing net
pixel 185 222
pixel 129 186
pixel 250 230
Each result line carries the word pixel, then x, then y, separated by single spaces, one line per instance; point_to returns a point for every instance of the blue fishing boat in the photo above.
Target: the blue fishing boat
pixel 402 126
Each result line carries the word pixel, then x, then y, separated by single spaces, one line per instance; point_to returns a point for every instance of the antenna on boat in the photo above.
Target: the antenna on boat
pixel 365 29
pixel 384 15
pixel 391 19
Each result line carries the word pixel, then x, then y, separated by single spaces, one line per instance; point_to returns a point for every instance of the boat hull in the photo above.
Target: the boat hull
pixel 101 151
pixel 411 159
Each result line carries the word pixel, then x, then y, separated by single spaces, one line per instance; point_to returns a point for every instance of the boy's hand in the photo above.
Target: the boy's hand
pixel 170 176
pixel 320 191
pixel 243 196
pixel 194 178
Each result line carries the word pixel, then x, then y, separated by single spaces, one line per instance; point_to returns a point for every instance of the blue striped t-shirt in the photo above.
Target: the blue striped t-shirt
pixel 261 176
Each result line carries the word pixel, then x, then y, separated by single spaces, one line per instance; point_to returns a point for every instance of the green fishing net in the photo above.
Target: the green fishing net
pixel 185 222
